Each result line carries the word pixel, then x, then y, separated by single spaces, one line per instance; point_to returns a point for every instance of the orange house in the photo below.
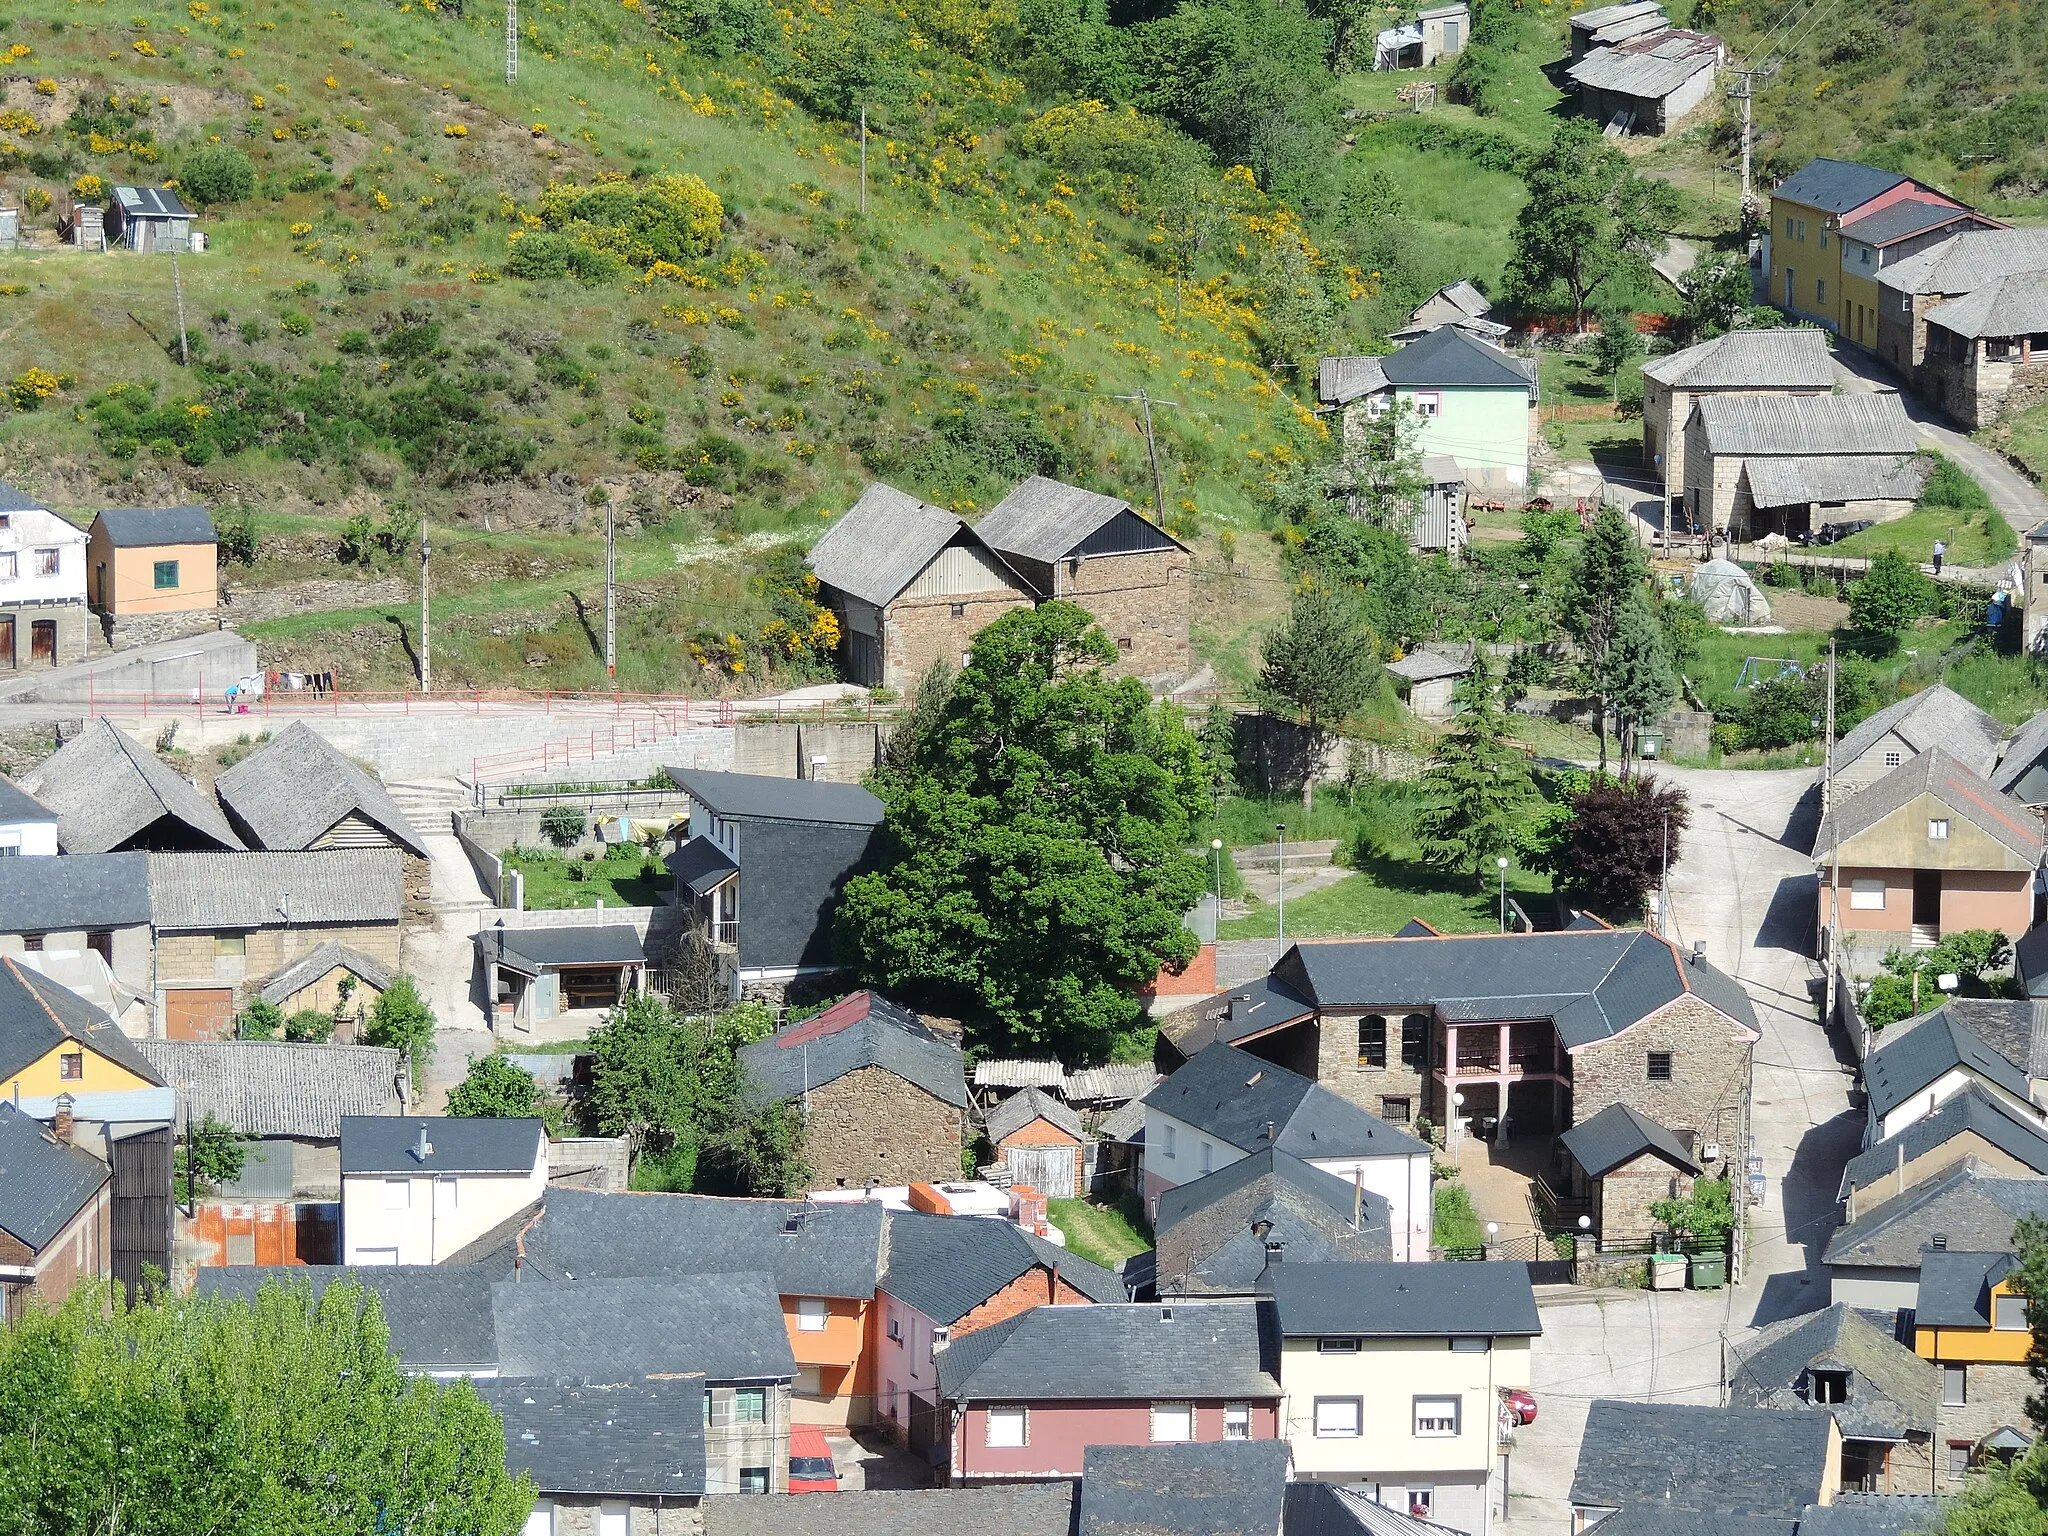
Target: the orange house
pixel 151 560
pixel 1972 1322
pixel 834 1366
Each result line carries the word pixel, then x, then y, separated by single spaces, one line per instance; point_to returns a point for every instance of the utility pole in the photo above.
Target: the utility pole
pixel 1281 829
pixel 426 634
pixel 1745 92
pixel 178 293
pixel 611 596
pixel 1152 448
pixel 511 42
pixel 863 162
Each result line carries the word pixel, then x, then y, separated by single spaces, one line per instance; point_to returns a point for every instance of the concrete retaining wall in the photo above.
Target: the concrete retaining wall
pixel 790 749
pixel 706 747
pixel 490 869
pixel 210 663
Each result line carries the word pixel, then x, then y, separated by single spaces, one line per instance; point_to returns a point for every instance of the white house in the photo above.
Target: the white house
pixel 415 1190
pixel 1921 1064
pixel 42 585
pixel 27 826
pixel 1225 1105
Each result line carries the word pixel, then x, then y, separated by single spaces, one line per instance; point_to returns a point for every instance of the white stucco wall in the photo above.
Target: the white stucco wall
pixel 1938 1093
pixel 27 533
pixel 423 1218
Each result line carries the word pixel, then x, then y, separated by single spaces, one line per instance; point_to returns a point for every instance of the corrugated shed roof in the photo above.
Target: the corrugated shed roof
pixel 1114 1084
pixel 1620 1134
pixel 1451 358
pixel 1651 66
pixel 859 1031
pixel 1685 1456
pixel 1045 519
pixel 1190 1349
pixel 1798 480
pixel 1781 357
pixel 151 202
pixel 43 1182
pixel 320 960
pixel 1020 1109
pixel 1892 1390
pixel 197 892
pixel 1836 186
pixel 107 790
pixel 1214 1488
pixel 76 890
pixel 278 1088
pixel 1933 717
pixel 2015 305
pixel 1019 1074
pixel 879 545
pixel 297 786
pixel 1967 260
pixel 631 1439
pixel 1806 424
pixel 146 527
pixel 37 1015
pixel 1340 380
pixel 1903 219
pixel 1607 15
pixel 726 1326
pixel 1934 772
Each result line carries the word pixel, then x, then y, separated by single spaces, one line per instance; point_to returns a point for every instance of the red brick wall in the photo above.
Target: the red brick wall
pixel 1033 1289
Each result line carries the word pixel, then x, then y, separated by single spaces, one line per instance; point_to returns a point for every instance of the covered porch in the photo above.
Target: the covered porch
pixel 1497 1081
pixel 533 975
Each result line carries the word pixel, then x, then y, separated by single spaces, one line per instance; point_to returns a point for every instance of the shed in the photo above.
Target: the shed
pixel 1605 25
pixel 1650 83
pixel 1039 1141
pixel 1729 594
pixel 113 795
pixel 532 974
pixel 152 560
pixel 148 219
pixel 298 792
pixel 1429 675
pixel 1622 1163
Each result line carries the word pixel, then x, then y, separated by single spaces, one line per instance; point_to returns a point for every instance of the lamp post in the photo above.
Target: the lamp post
pixel 1503 863
pixel 1216 847
pixel 1281 828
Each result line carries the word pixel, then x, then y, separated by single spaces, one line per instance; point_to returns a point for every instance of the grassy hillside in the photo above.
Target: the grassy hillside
pixel 363 348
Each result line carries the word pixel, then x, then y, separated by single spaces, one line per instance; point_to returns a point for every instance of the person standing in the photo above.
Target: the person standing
pixel 1940 549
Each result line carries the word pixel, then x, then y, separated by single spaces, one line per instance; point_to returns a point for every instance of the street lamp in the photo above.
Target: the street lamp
pixel 1281 828
pixel 1503 863
pixel 1216 847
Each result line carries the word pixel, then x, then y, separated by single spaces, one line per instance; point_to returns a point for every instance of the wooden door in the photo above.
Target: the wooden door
pixel 42 643
pixel 1049 1170
pixel 199 1013
pixel 7 641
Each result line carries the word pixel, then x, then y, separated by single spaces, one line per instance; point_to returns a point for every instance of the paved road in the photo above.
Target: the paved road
pixel 1744 887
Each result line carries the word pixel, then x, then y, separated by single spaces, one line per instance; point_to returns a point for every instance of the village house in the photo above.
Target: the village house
pixel 1459 304
pixel 297 792
pixel 1963 262
pixel 1428 677
pixel 1873 244
pixel 155 572
pixel 1648 84
pixel 911 585
pixel 1471 402
pixel 761 875
pixel 1783 361
pixel 2022 770
pixel 1007 1509
pixel 1098 551
pixel 85 905
pixel 1436 33
pixel 42 585
pixel 1985 1045
pixel 1803 248
pixel 148 219
pixel 113 795
pixel 1875 1261
pixel 56 1214
pixel 1394 1375
pixel 1987 351
pixel 227 923
pixel 1930 848
pixel 1972 1323
pixel 1621 1163
pixel 884 1096
pixel 1654 1463
pixel 606 1459
pixel 1606 25
pixel 1226 1105
pixel 416 1190
pixel 1221 1235
pixel 1027 1396
pixel 1934 717
pixel 1193 1486
pixel 1787 464
pixel 1978 1122
pixel 28 828
pixel 1848 1365
pixel 1039 1143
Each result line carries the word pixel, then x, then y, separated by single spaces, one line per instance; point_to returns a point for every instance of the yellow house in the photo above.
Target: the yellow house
pixel 143 560
pixel 1805 245
pixel 52 1041
pixel 1973 1324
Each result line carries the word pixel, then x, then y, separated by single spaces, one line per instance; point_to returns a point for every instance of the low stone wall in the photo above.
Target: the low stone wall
pixel 125 631
pixel 252 605
pixel 1279 755
pixel 792 749
pixel 1610 1269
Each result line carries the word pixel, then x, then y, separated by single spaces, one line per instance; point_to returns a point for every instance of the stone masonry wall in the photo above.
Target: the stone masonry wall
pixel 188 959
pixel 577 1515
pixel 1627 1194
pixel 132 629
pixel 1708 1092
pixel 871 1124
pixel 917 631
pixel 71 637
pixel 1141 601
pixel 1997 1396
pixel 1338 1068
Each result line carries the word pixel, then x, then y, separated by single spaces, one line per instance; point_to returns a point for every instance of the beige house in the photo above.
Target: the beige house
pixel 416 1189
pixel 1789 361
pixel 1758 464
pixel 156 564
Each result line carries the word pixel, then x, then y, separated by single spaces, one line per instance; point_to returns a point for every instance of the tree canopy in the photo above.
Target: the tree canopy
pixel 1478 791
pixel 1590 220
pixel 1614 847
pixel 1891 595
pixel 1320 661
pixel 494 1089
pixel 1034 858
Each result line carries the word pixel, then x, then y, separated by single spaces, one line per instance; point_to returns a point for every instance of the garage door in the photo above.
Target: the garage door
pixel 1049 1170
pixel 199 1013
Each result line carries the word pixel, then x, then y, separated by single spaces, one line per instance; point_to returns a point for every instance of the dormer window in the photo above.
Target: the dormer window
pixel 1830 1386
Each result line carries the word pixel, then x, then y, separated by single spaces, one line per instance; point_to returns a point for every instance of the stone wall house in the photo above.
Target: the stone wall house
pixel 1783 361
pixel 1758 464
pixel 1987 352
pixel 1971 1323
pixel 1918 286
pixel 911 584
pixel 1097 551
pixel 42 585
pixel 1876 1261
pixel 624 1459
pixel 1623 1163
pixel 1649 84
pixel 297 791
pixel 884 1095
pixel 1920 722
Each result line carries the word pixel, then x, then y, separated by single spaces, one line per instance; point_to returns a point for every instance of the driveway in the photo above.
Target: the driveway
pixel 1743 887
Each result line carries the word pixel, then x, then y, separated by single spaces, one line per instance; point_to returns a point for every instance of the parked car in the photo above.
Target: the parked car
pixel 810 1461
pixel 1834 533
pixel 1521 1403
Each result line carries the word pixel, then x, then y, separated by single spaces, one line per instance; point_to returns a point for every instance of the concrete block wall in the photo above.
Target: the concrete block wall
pixel 784 749
pixel 499 825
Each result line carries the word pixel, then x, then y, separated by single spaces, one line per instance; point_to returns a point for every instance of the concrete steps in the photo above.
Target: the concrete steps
pixel 430 804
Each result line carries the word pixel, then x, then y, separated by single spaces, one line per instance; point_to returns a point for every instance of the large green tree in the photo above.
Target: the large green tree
pixel 1891 595
pixel 1478 792
pixel 249 1418
pixel 1321 659
pixel 494 1088
pixel 1589 220
pixel 1638 679
pixel 1034 859
pixel 1609 572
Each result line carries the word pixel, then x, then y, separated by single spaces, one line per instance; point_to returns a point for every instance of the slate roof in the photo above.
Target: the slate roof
pixel 37 1016
pixel 296 786
pixel 726 1326
pixel 151 202
pixel 1891 1391
pixel 203 892
pixel 43 1182
pixel 1020 1109
pixel 946 1266
pixel 2014 305
pixel 1340 380
pixel 1933 717
pixel 1450 358
pixel 534 950
pixel 701 866
pixel 1251 1008
pixel 1968 259
pixel 1591 983
pixel 1909 1057
pixel 1783 357
pixel 1823 425
pixel 144 527
pixel 879 545
pixel 1316 1508
pixel 77 890
pixel 1933 772
pixel 14 499
pixel 2022 752
pixel 1223 1488
pixel 18 805
pixel 439 1315
pixel 2030 959
pixel 1649 67
pixel 836 1249
pixel 1902 220
pixel 858 1031
pixel 1680 1456
pixel 632 1439
pixel 1972 1110
pixel 1427 663
pixel 1146 1350
pixel 456 1144
pixel 1619 1134
pixel 1955 1287
pixel 1836 186
pixel 1871 1514
pixel 1004 1509
pixel 756 795
pixel 107 789
pixel 1045 520
pixel 1234 1097
pixel 1974 1210
pixel 1391 1301
pixel 320 960
pixel 1212 1232
pixel 1795 480
pixel 278 1087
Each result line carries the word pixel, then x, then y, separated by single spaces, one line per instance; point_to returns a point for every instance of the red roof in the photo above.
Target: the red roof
pixel 847 1011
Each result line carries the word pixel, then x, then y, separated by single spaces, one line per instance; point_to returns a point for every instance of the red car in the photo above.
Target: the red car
pixel 1520 1403
pixel 810 1461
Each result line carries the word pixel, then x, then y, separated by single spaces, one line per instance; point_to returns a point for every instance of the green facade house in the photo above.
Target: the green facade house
pixel 1472 400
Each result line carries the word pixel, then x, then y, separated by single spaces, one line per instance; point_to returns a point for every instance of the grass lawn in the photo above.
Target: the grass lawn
pixel 1455 1223
pixel 1382 899
pixel 1974 538
pixel 1246 821
pixel 2026 437
pixel 1100 1233
pixel 1545 737
pixel 617 882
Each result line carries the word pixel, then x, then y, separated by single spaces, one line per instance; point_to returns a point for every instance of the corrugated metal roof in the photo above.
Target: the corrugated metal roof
pixel 1340 380
pixel 1794 481
pixel 296 787
pixel 1781 357
pixel 204 892
pixel 1019 1074
pixel 2016 305
pixel 1649 67
pixel 1967 260
pixel 1045 519
pixel 278 1088
pixel 1607 15
pixel 151 203
pixel 877 547
pixel 1836 186
pixel 1805 424
pixel 1111 1084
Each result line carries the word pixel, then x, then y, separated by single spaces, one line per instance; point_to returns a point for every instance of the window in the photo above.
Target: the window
pixel 1892 759
pixel 1823 237
pixel 32 942
pixel 1470 1346
pixel 613 1520
pixel 1959 1458
pixel 47 561
pixel 541 1522
pixel 10 846
pixel 1336 1346
pixel 1937 829
pixel 1415 1042
pixel 1396 1111
pixel 231 944
pixel 101 942
pixel 810 1314
pixel 1866 895
pixel 167 575
pixel 959 610
pixel 1436 1418
pixel 1372 1041
pixel 1830 1386
pixel 71 1066
pixel 397 1194
pixel 753 1479
pixel 1955 1386
pixel 1208 1157
pixel 2009 1314
pixel 750 1405
pixel 1863 255
pixel 895 1328
pixel 1172 1422
pixel 1420 1503
pixel 1166 1140
pixel 1008 1428
pixel 7 570
pixel 1237 1421
pixel 1820 290
pixel 1429 405
pixel 1660 1066
pixel 1338 1418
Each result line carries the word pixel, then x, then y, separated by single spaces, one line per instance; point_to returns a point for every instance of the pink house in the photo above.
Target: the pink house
pixel 1025 1398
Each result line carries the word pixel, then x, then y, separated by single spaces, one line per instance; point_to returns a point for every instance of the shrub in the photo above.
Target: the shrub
pixel 261 1020
pixel 401 1019
pixel 293 323
pixel 494 1089
pixel 217 173
pixel 663 218
pixel 309 1024
pixel 236 529
pixel 30 389
pixel 562 825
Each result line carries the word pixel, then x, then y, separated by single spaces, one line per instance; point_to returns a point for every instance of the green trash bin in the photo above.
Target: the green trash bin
pixel 1709 1271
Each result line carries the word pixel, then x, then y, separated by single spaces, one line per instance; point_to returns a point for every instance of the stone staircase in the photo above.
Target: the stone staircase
pixel 430 804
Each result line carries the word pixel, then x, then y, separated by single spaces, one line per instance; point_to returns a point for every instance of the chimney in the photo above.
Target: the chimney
pixel 1939 1242
pixel 1268 1132
pixel 1699 951
pixel 2037 1040
pixel 61 1122
pixel 1274 1249
pixel 422 1149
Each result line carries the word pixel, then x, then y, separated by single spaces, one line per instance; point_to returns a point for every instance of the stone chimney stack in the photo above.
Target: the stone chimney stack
pixel 61 1123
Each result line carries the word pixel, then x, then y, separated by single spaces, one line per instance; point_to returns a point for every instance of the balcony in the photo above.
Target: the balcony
pixel 721 933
